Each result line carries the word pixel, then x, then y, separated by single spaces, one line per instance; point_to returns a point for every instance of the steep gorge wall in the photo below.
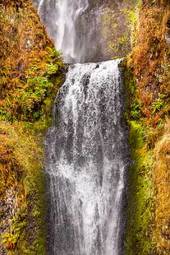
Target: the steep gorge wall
pixel 30 75
pixel 148 86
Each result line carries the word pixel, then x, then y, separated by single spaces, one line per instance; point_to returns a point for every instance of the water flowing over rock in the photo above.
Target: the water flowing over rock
pixel 86 161
pixel 67 16
pixel 87 30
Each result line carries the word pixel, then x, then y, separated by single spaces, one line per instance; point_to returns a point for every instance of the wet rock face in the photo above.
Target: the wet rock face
pixel 99 29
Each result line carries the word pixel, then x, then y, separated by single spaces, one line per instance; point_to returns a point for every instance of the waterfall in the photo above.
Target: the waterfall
pixel 86 161
pixel 86 147
pixel 65 19
pixel 76 28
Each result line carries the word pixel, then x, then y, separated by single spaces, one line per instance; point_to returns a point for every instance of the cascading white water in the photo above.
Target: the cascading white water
pixel 87 30
pixel 66 16
pixel 76 28
pixel 86 161
pixel 86 148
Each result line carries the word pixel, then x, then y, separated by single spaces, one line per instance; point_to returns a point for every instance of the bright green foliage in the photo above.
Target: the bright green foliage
pixel 158 104
pixel 135 110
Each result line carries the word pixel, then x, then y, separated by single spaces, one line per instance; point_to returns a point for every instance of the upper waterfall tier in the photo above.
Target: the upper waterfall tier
pixel 87 30
pixel 69 26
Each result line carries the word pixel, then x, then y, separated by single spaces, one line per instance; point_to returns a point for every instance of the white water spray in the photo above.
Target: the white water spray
pixel 86 161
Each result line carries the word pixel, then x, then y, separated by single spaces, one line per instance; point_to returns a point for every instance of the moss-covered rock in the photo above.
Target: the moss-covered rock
pixel 30 74
pixel 147 92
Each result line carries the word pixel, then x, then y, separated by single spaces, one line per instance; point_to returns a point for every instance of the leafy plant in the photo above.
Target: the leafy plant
pixel 158 104
pixel 135 110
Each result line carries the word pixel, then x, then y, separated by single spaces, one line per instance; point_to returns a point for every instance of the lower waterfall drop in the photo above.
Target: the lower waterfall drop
pixel 86 161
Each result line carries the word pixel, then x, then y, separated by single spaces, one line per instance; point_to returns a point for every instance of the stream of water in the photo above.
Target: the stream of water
pixel 76 28
pixel 86 148
pixel 86 162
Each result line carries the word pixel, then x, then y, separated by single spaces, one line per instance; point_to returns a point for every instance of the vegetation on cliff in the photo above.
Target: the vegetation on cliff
pixel 147 86
pixel 31 72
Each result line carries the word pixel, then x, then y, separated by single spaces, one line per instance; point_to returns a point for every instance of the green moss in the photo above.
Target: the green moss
pixel 26 231
pixel 132 102
pixel 132 16
pixel 140 200
pixel 140 187
pixel 29 81
pixel 136 136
